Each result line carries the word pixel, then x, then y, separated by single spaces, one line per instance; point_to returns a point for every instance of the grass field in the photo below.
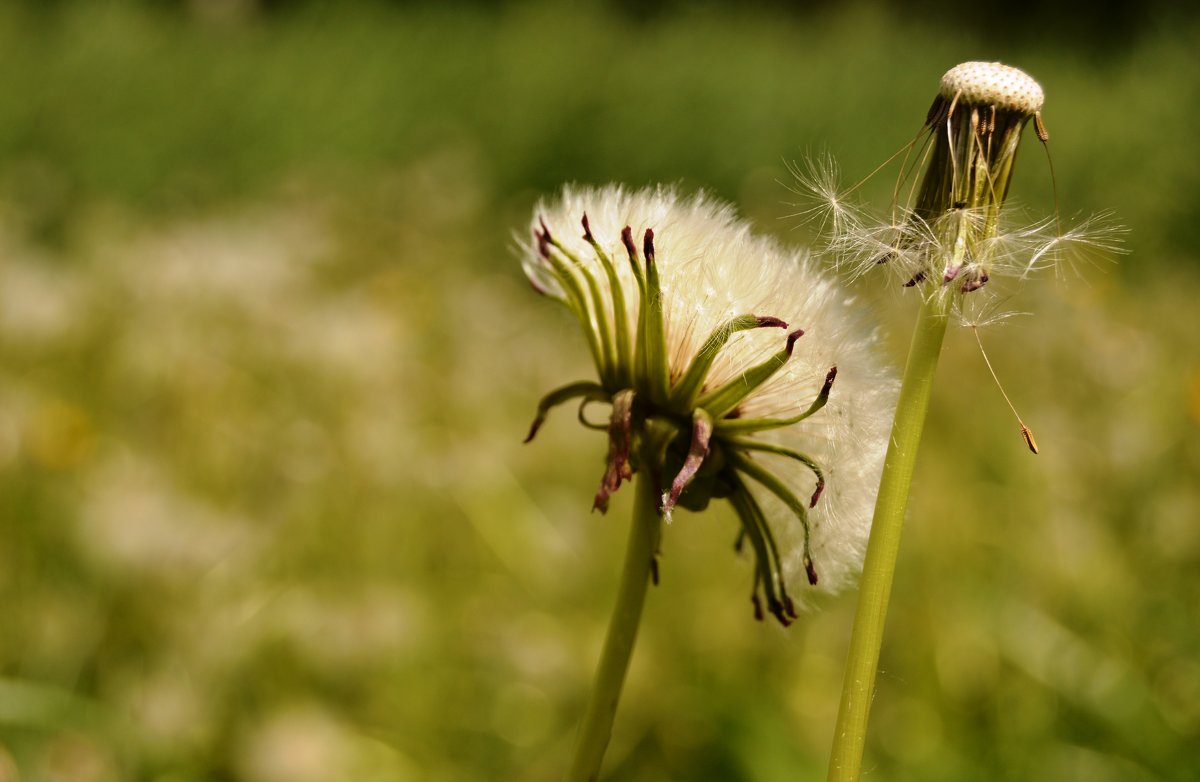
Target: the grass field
pixel 267 358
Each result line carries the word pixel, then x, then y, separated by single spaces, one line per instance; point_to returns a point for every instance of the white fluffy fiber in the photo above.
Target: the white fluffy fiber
pixel 713 267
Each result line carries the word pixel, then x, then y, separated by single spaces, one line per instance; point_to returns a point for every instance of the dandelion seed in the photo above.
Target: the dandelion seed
pixel 730 345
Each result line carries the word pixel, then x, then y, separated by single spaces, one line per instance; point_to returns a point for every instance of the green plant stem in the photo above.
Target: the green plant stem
pixel 596 728
pixel 850 735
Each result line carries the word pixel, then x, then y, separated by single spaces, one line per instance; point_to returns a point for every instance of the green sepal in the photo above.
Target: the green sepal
pixel 640 373
pixel 768 565
pixel 650 360
pixel 624 367
pixel 726 426
pixel 772 484
pixel 634 262
pixel 683 394
pixel 597 314
pixel 576 301
pixel 657 364
pixel 584 388
pixel 581 415
pixel 725 398
pixel 747 444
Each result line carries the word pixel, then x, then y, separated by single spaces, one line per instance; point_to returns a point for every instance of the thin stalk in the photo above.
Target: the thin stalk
pixel 596 728
pixel 850 735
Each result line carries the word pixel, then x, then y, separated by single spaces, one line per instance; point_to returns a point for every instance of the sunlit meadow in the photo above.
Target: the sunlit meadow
pixel 267 357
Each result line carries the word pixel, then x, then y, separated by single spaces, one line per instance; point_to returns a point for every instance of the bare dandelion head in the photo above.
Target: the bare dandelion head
pixel 993 84
pixel 975 123
pixel 950 231
pixel 718 352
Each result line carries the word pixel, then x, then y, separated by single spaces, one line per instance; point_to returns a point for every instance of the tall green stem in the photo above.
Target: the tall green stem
pixel 850 735
pixel 596 728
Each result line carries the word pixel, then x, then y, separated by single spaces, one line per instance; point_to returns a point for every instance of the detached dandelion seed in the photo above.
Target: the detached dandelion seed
pixel 734 371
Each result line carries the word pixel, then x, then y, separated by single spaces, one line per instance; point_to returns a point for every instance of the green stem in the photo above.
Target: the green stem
pixel 596 728
pixel 845 762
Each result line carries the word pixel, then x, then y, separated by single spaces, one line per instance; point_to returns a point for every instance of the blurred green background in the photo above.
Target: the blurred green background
pixel 266 360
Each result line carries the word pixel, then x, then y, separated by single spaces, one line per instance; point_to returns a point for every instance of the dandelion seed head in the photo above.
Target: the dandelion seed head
pixel 713 272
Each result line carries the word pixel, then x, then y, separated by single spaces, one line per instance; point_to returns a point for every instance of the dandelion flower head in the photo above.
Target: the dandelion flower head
pixel 728 347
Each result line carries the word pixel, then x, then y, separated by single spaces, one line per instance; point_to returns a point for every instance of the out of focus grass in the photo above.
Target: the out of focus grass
pixel 266 360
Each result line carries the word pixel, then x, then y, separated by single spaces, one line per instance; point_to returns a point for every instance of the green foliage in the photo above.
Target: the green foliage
pixel 266 361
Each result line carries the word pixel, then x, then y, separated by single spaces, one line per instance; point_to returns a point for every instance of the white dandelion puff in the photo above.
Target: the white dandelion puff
pixel 733 344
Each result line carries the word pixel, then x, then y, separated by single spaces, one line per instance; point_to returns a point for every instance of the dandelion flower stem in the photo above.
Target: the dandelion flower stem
pixel 867 637
pixel 596 728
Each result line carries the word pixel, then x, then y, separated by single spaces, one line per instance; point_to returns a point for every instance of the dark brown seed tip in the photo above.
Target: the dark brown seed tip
pixel 817 493
pixel 543 240
pixel 777 611
pixel 830 376
pixel 766 321
pixel 916 279
pixel 758 612
pixel 533 429
pixel 648 245
pixel 587 230
pixel 810 571
pixel 654 570
pixel 791 342
pixel 627 240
